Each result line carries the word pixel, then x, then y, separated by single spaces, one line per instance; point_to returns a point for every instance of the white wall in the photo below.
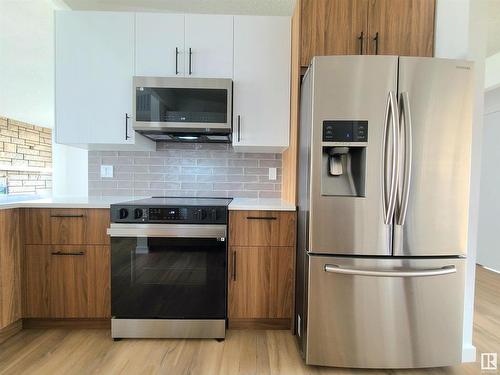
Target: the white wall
pixel 27 83
pixel 461 33
pixel 492 73
pixel 27 61
pixel 488 251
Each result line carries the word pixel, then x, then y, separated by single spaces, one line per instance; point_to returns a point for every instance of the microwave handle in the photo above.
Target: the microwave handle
pixel 126 126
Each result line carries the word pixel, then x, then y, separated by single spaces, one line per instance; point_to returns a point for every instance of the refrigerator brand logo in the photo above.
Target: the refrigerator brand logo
pixel 463 67
pixel 489 361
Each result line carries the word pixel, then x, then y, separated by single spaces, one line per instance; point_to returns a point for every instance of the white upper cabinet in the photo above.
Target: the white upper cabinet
pixel 209 46
pixel 94 69
pixel 261 104
pixel 159 39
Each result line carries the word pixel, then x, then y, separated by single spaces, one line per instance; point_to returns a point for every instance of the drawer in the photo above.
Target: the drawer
pixel 359 305
pixel 66 226
pixel 66 281
pixel 262 228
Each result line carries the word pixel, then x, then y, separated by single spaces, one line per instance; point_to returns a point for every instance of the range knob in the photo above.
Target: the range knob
pixel 137 213
pixel 123 213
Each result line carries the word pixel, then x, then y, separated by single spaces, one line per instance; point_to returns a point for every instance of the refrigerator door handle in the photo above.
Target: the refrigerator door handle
pixel 390 158
pixel 333 268
pixel 406 140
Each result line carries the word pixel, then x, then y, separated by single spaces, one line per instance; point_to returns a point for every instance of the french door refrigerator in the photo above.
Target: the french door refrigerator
pixel 384 156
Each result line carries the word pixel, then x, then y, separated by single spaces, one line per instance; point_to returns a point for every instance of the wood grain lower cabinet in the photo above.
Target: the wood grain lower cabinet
pixel 66 281
pixel 261 268
pixel 10 268
pixel 261 282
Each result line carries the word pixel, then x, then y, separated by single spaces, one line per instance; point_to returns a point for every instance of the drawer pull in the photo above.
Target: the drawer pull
pixel 261 218
pixel 69 254
pixel 68 216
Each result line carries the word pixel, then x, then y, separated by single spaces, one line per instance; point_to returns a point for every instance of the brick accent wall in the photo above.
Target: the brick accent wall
pixel 186 169
pixel 25 157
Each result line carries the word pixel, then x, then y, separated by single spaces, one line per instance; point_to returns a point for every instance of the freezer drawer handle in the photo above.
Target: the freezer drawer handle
pixel 333 268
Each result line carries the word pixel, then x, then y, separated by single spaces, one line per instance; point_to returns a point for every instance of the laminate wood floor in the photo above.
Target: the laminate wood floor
pixel 60 351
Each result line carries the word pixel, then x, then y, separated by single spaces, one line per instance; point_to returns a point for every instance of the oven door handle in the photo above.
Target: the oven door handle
pixel 168 230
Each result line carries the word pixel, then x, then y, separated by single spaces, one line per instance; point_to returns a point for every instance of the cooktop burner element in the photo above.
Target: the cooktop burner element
pixel 179 210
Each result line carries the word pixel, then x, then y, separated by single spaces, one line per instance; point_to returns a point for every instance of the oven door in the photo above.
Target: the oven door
pixel 168 271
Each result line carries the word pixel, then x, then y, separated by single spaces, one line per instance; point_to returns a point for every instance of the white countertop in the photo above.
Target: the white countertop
pixel 67 202
pixel 264 204
pixel 261 204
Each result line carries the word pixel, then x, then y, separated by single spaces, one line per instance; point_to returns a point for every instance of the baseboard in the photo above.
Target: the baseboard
pixel 260 323
pixel 75 323
pixel 10 330
pixel 468 353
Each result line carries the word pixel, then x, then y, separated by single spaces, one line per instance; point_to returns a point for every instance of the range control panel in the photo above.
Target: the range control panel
pixel 345 131
pixel 162 214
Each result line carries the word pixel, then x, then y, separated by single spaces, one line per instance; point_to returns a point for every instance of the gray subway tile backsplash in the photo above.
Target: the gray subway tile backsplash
pixel 186 169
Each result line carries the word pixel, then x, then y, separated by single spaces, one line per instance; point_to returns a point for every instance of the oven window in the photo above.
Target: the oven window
pixel 157 104
pixel 168 278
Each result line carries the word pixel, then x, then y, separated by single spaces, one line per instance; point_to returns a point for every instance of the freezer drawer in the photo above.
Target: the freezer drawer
pixel 385 313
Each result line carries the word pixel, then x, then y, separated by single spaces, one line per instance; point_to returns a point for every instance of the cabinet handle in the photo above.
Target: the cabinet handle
pixel 261 218
pixel 375 39
pixel 361 38
pixel 60 253
pixel 190 54
pixel 239 128
pixel 176 60
pixel 126 126
pixel 68 216
pixel 234 265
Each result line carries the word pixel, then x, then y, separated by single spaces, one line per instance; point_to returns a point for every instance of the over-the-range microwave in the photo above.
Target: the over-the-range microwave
pixel 183 109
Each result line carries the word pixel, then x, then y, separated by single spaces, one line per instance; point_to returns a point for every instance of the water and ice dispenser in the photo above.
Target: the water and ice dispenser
pixel 344 158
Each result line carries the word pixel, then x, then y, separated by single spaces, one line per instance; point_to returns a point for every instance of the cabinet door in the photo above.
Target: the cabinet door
pixel 333 27
pixel 260 282
pixel 67 281
pixel 404 28
pixel 210 39
pixel 159 48
pixel 10 268
pixel 261 83
pixel 94 70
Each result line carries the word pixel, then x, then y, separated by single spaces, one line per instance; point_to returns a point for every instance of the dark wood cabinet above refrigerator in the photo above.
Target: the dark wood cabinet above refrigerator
pixel 360 27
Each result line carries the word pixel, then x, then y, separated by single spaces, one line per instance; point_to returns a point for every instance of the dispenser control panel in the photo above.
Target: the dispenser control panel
pixel 345 131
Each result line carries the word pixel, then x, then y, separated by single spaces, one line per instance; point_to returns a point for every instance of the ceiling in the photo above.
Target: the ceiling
pixel 257 7
pixel 493 27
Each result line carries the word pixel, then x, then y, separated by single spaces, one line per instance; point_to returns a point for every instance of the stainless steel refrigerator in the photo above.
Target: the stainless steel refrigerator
pixel 384 159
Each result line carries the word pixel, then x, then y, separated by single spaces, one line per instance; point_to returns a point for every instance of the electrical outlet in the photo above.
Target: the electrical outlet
pixel 106 171
pixel 272 174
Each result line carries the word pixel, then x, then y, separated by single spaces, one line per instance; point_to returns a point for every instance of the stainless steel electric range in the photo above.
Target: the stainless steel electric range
pixel 169 267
